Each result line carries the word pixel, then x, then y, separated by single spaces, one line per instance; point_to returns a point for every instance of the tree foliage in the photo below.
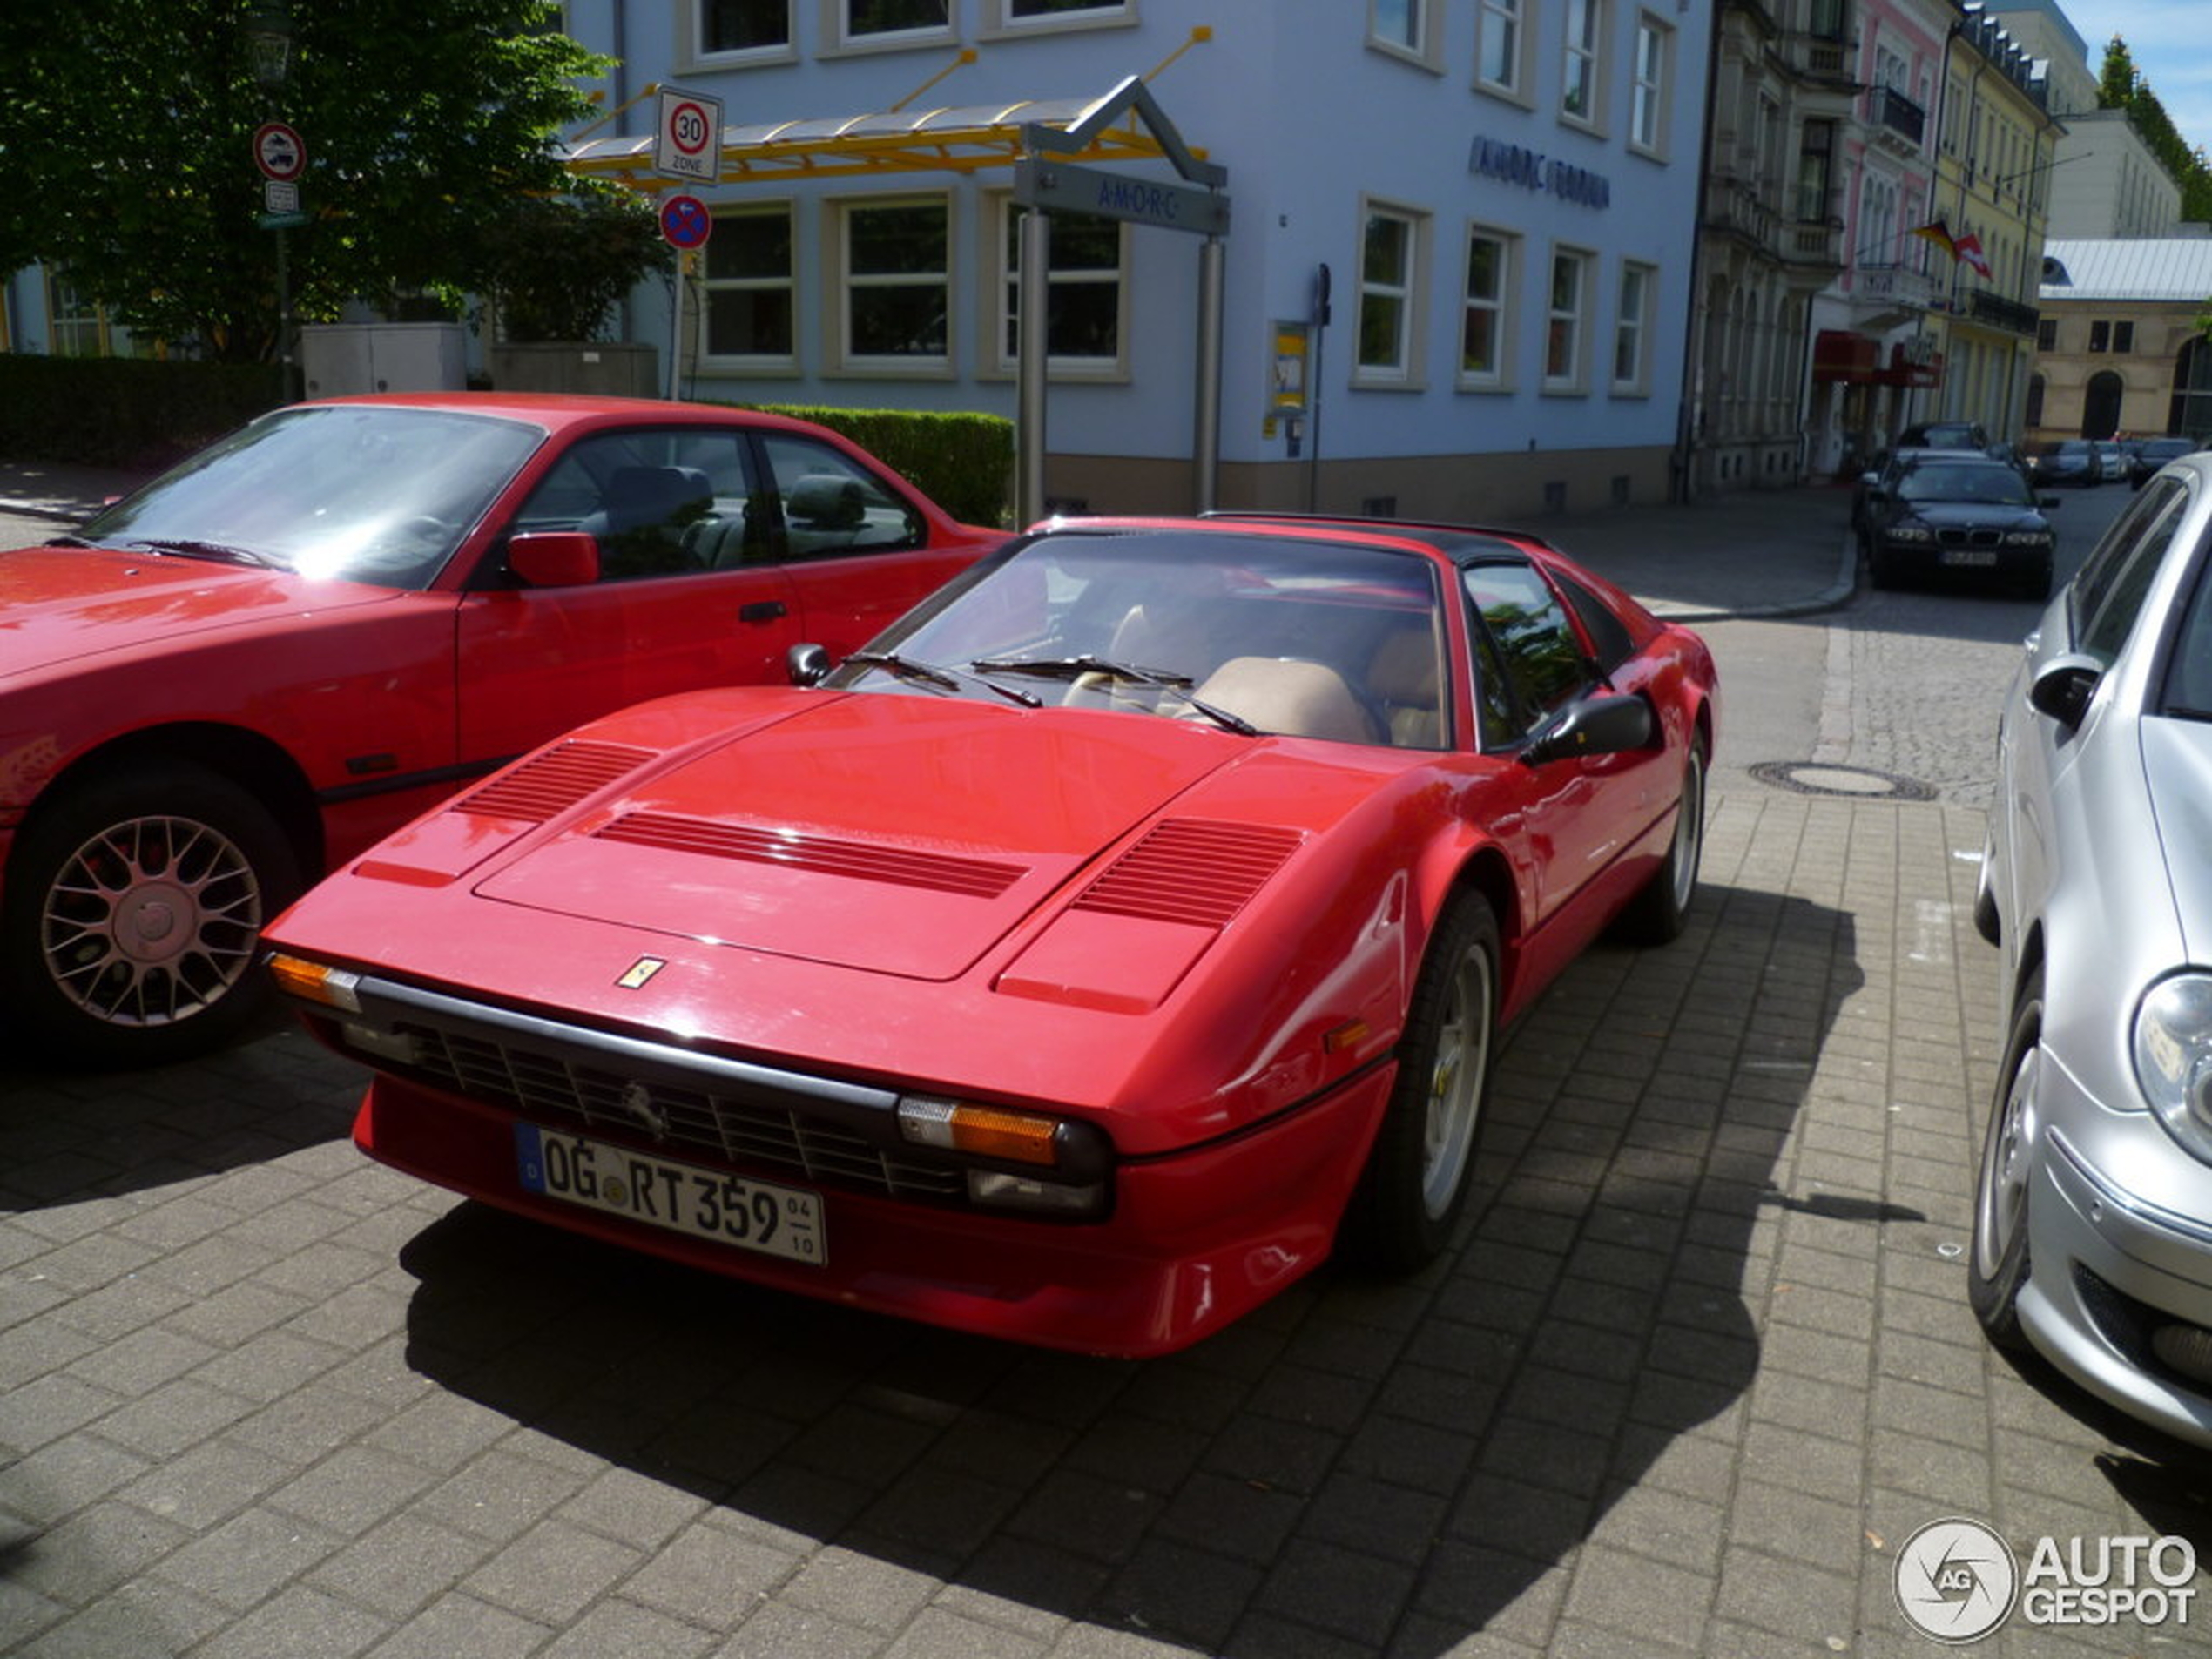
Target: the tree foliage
pixel 2122 86
pixel 127 154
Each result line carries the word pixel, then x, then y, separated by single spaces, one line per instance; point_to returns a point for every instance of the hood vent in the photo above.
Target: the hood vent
pixel 553 782
pixel 795 849
pixel 1188 871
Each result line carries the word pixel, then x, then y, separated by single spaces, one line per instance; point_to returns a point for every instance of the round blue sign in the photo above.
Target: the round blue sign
pixel 685 221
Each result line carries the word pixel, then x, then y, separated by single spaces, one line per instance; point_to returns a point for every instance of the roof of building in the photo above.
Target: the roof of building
pixel 2127 268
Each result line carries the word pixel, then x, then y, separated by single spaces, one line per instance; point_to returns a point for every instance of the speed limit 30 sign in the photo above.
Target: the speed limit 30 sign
pixel 688 144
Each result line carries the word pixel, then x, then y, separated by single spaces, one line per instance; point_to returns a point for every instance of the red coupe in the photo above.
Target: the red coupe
pixel 1080 963
pixel 251 669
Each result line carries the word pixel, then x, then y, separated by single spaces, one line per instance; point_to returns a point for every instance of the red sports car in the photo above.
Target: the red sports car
pixel 253 668
pixel 1080 963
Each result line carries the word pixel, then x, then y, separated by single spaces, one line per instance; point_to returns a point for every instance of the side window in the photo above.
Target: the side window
pixel 660 503
pixel 1610 641
pixel 832 505
pixel 1534 642
pixel 2110 589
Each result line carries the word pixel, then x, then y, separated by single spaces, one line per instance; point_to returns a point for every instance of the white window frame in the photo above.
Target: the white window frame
pixel 999 18
pixel 837 230
pixel 839 40
pixel 1576 318
pixel 1001 302
pixel 1501 307
pixel 1589 58
pixel 1511 16
pixel 695 53
pixel 1424 48
pixel 1632 328
pixel 1651 86
pixel 1404 373
pixel 728 219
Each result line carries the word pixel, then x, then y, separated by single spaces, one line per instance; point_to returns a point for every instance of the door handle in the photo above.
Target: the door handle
pixel 762 610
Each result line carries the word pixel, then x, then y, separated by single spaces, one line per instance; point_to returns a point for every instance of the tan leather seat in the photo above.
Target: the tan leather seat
pixel 1402 678
pixel 1290 695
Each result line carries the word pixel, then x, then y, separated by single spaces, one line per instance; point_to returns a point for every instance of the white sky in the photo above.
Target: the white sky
pixel 2171 43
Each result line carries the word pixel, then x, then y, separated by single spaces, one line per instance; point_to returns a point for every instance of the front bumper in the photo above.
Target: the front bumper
pixel 1194 1240
pixel 2107 1267
pixel 2013 562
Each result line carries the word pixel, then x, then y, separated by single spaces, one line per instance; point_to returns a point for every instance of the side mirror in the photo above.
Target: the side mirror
pixel 1605 723
pixel 2063 686
pixel 1870 482
pixel 807 664
pixel 554 558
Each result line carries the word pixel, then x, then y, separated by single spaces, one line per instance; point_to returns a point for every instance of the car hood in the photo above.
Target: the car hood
pixel 897 834
pixel 59 604
pixel 2177 770
pixel 1948 514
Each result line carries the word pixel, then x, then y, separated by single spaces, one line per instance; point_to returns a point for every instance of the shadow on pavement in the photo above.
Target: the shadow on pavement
pixel 1384 1465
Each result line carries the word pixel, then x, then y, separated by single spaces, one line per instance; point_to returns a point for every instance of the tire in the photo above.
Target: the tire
pixel 1660 908
pixel 1420 1168
pixel 1997 1261
pixel 133 915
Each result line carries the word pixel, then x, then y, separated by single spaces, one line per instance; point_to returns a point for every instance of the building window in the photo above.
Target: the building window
pixel 1486 325
pixel 743 26
pixel 1654 61
pixel 1002 15
pixel 897 284
pixel 1398 23
pixel 748 287
pixel 2046 334
pixel 920 21
pixel 2123 336
pixel 1566 316
pixel 2100 336
pixel 1816 156
pixel 1389 267
pixel 2034 417
pixel 1083 286
pixel 1499 36
pixel 1582 80
pixel 76 326
pixel 1632 330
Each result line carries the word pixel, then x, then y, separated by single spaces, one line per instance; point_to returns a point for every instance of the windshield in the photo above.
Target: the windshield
pixel 1992 486
pixel 1254 634
pixel 366 492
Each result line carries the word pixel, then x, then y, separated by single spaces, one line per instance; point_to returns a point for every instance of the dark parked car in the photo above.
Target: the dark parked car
pixel 1945 434
pixel 2146 456
pixel 2070 461
pixel 1945 512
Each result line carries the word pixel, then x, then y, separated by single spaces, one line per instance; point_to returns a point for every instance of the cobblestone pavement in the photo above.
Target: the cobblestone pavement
pixel 1701 1362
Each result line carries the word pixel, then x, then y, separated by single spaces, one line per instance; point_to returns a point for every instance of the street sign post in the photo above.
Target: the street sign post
pixel 688 142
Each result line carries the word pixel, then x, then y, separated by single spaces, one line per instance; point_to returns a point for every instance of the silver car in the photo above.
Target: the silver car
pixel 2092 1213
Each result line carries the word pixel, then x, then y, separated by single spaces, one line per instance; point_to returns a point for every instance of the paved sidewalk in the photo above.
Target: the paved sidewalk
pixel 1699 1365
pixel 1756 553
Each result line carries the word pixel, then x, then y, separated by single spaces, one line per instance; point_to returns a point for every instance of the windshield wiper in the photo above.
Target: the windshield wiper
pixel 68 541
pixel 951 679
pixel 222 550
pixel 1075 667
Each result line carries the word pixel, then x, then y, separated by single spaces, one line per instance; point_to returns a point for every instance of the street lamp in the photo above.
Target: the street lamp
pixel 268 37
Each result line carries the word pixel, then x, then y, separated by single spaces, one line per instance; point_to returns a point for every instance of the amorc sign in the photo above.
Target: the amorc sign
pixel 1514 163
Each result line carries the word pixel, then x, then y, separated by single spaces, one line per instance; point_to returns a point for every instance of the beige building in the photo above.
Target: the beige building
pixel 2119 346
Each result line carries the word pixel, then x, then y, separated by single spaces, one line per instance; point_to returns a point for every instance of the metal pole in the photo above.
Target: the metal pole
pixel 284 317
pixel 1205 440
pixel 1032 346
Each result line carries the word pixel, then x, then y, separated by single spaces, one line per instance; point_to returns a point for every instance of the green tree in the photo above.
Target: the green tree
pixel 126 152
pixel 2121 86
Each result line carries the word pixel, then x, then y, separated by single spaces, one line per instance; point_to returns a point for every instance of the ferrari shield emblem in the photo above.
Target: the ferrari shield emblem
pixel 641 970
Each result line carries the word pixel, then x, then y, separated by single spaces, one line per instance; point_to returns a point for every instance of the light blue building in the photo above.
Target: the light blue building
pixel 1502 195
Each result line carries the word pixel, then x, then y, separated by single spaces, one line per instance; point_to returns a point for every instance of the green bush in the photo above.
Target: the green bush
pixel 126 411
pixel 963 463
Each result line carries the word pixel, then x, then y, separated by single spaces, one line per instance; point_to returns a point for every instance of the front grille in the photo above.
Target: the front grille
pixel 729 1123
pixel 1970 537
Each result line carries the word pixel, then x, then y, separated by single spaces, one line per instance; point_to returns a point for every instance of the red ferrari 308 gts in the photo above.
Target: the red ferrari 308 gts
pixel 1082 962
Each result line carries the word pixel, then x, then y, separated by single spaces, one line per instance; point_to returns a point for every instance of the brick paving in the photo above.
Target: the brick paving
pixel 1701 1361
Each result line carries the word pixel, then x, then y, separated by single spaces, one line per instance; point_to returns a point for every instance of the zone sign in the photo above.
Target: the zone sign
pixel 688 144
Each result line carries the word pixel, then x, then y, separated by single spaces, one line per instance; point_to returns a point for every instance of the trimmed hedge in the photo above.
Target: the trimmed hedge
pixel 963 463
pixel 126 411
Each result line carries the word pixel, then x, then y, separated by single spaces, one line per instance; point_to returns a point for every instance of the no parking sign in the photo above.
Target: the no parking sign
pixel 684 222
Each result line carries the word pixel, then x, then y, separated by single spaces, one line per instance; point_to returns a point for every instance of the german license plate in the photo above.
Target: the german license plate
pixel 1971 556
pixel 680 1197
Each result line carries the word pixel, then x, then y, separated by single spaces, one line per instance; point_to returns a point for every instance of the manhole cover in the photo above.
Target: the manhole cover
pixel 1809 778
